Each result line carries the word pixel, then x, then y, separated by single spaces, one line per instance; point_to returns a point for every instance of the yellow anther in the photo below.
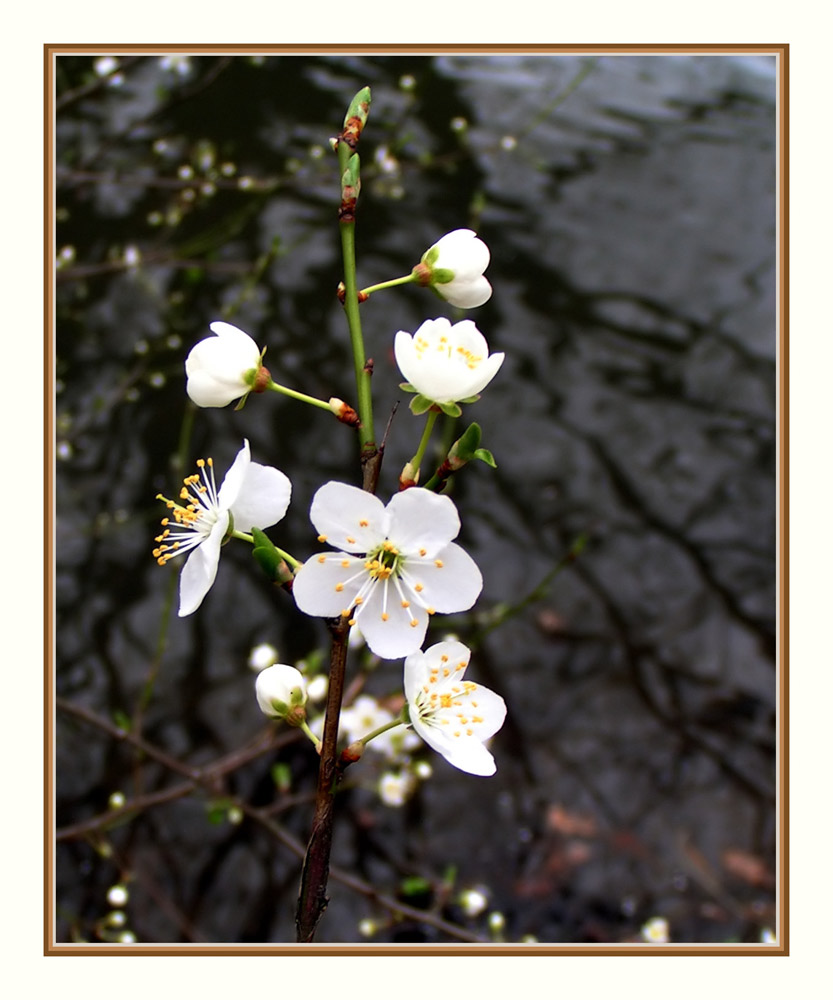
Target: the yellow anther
pixel 406 604
pixel 413 623
pixel 363 523
pixel 351 541
pixel 438 563
pixel 352 621
pixel 345 563
pixel 322 538
pixel 200 463
pixel 345 613
pixel 385 616
pixel 445 700
pixel 359 600
pixel 322 559
pixel 468 732
pixel 422 552
pixel 339 587
pixel 418 588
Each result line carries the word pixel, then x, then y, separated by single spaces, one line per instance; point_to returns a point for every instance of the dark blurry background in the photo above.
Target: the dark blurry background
pixel 629 205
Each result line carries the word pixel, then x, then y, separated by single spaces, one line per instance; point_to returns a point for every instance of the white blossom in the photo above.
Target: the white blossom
pixel 397 565
pixel 454 716
pixel 446 363
pixel 251 495
pixel 223 367
pixel 456 264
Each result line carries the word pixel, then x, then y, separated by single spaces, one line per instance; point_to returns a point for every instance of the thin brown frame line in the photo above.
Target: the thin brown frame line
pixel 376 48
pixel 781 52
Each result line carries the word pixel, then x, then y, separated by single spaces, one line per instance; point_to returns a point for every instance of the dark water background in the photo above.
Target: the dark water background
pixel 629 205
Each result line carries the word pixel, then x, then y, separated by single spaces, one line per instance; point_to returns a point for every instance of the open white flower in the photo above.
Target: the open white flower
pixel 452 715
pixel 446 363
pixel 397 565
pixel 280 688
pixel 251 496
pixel 454 268
pixel 222 368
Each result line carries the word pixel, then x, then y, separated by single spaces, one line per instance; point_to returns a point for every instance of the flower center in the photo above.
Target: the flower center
pixel 191 520
pixel 444 346
pixel 383 562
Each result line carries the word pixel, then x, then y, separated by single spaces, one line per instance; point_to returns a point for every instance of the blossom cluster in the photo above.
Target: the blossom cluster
pixel 388 567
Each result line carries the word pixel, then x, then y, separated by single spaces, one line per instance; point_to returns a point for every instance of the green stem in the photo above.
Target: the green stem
pixel 306 729
pixel 364 404
pixel 302 396
pixel 416 461
pixel 244 537
pixel 404 280
pixel 378 732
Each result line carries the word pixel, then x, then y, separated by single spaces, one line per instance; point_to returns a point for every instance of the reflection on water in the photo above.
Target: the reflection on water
pixel 629 204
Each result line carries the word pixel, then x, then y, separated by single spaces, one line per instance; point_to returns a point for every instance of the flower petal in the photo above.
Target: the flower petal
pixel 448 582
pixel 324 586
pixel 403 629
pixel 466 293
pixel 200 568
pixel 350 519
pixel 236 475
pixel 263 498
pixel 420 519
pixel 463 752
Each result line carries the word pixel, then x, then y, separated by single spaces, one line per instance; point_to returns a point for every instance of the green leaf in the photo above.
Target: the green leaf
pixel 430 256
pixel 486 456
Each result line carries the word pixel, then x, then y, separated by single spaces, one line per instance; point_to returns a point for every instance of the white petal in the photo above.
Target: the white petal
pixel 421 519
pixel 466 293
pixel 464 752
pixel 324 586
pixel 235 338
pixel 393 636
pixel 351 519
pixel 200 569
pixel 263 498
pixel 230 489
pixel 464 253
pixel 206 390
pixel 448 582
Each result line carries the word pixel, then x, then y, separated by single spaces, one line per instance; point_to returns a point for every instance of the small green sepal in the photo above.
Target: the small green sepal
pixel 441 276
pixel 450 409
pixel 420 404
pixel 270 560
pixel 406 387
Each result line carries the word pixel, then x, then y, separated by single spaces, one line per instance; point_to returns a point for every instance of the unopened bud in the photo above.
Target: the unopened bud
pixel 408 477
pixel 345 413
pixel 352 753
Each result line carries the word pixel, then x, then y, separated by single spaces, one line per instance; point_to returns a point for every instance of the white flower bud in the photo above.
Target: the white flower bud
pixel 456 264
pixel 222 368
pixel 279 689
